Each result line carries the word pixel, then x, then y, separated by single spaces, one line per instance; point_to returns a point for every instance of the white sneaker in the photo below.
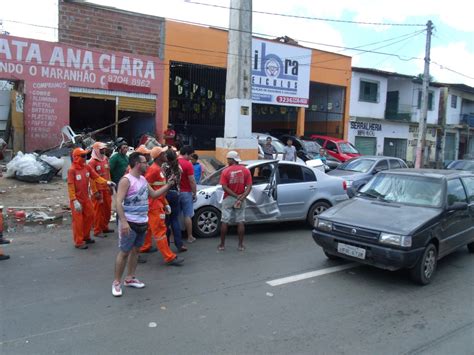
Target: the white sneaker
pixel 134 283
pixel 116 289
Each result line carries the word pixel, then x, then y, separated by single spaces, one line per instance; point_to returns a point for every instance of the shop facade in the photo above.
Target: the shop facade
pixel 87 89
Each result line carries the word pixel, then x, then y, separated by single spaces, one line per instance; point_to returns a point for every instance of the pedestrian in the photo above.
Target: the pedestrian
pixel 146 152
pixel 187 190
pixel 169 135
pixel 3 241
pixel 102 201
pixel 82 209
pixel 269 150
pixel 132 208
pixel 236 182
pixel 158 208
pixel 119 162
pixel 289 152
pixel 172 168
pixel 322 155
pixel 197 167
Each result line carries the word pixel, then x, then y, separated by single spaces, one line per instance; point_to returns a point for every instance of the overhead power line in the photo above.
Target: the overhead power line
pixel 310 17
pixel 185 49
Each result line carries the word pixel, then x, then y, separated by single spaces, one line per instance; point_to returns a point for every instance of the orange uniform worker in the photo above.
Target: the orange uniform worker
pixel 158 207
pixel 81 205
pixel 102 201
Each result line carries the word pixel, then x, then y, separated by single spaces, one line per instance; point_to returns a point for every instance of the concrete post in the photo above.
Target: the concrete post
pixel 238 108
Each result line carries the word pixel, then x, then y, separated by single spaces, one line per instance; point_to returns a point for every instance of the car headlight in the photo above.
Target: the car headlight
pixel 323 225
pixel 349 183
pixel 395 239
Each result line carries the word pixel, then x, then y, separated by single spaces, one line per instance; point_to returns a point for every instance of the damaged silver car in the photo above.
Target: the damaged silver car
pixel 281 191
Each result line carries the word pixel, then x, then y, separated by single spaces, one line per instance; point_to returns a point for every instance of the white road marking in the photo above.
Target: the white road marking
pixel 308 275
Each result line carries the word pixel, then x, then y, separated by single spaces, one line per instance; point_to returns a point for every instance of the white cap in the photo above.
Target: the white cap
pixel 233 155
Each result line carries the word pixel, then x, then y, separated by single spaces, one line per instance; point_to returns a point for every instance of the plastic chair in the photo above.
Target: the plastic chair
pixel 68 135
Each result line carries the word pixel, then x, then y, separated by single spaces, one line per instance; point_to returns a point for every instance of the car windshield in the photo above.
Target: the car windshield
pixel 348 148
pixel 461 165
pixel 311 147
pixel 359 165
pixel 405 189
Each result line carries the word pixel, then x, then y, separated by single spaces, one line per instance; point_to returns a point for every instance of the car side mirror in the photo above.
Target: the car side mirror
pixel 376 171
pixel 458 206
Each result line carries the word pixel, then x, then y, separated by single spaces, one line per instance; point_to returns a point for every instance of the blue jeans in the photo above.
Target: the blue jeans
pixel 172 220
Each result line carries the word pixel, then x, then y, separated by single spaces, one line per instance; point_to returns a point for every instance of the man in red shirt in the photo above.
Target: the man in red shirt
pixel 187 188
pixel 237 184
pixel 169 135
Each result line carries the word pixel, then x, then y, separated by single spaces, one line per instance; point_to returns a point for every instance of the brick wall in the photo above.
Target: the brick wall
pixel 95 26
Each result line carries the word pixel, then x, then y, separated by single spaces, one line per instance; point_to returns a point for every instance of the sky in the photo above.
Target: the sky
pixel 452 46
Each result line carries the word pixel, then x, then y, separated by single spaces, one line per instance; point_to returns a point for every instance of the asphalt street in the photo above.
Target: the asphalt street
pixel 55 299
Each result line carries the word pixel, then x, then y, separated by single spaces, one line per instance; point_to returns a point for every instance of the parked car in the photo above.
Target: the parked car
pixel 358 171
pixel 467 165
pixel 404 218
pixel 282 191
pixel 336 147
pixel 306 150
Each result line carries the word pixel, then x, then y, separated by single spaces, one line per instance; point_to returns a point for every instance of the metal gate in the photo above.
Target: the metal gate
pixel 395 147
pixel 366 145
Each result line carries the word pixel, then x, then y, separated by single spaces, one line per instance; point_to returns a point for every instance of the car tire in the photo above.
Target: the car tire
pixel 470 247
pixel 422 273
pixel 207 222
pixel 317 208
pixel 331 256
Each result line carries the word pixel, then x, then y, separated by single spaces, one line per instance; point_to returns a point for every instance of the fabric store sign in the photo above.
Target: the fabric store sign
pixel 280 74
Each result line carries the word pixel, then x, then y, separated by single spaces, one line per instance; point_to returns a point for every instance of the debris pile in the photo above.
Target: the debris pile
pixel 33 168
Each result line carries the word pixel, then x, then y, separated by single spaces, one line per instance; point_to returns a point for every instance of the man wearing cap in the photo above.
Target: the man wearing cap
pixel 236 181
pixel 78 178
pixel 157 210
pixel 119 162
pixel 102 201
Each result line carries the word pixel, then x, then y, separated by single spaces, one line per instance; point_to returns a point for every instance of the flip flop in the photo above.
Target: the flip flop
pixel 191 240
pixel 242 248
pixel 220 248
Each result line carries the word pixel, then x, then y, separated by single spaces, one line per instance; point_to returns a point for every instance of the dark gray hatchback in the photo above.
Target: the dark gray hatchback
pixel 404 218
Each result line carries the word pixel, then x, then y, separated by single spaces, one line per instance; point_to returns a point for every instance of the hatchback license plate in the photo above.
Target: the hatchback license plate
pixel 351 250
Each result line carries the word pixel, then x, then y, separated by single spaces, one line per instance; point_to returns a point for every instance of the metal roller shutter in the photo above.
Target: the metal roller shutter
pixel 366 145
pixel 92 96
pixel 136 104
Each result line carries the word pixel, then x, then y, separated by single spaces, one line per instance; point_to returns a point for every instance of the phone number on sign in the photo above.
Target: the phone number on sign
pixel 292 100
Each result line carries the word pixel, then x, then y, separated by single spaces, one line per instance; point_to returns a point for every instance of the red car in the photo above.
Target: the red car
pixel 336 147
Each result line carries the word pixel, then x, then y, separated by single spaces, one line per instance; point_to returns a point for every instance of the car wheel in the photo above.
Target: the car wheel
pixel 425 268
pixel 207 222
pixel 316 208
pixel 470 247
pixel 331 256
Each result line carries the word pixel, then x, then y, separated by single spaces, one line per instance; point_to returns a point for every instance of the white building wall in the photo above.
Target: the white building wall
pixel 378 130
pixel 368 109
pixel 453 115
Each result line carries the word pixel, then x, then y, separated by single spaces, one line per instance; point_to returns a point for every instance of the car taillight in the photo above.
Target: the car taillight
pixel 344 185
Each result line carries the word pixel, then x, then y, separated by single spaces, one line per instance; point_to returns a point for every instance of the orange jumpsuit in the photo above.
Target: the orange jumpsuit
pixel 102 204
pixel 156 215
pixel 78 187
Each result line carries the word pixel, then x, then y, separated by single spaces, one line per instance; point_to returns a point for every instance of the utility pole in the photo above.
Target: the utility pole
pixel 420 146
pixel 238 93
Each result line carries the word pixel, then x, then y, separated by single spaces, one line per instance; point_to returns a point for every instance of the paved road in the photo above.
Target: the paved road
pixel 55 299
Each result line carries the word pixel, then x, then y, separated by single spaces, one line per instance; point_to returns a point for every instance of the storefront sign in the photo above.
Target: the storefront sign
pixel 366 128
pixel 280 74
pixel 49 69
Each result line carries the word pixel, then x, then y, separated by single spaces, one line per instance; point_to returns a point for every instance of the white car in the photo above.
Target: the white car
pixel 281 191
